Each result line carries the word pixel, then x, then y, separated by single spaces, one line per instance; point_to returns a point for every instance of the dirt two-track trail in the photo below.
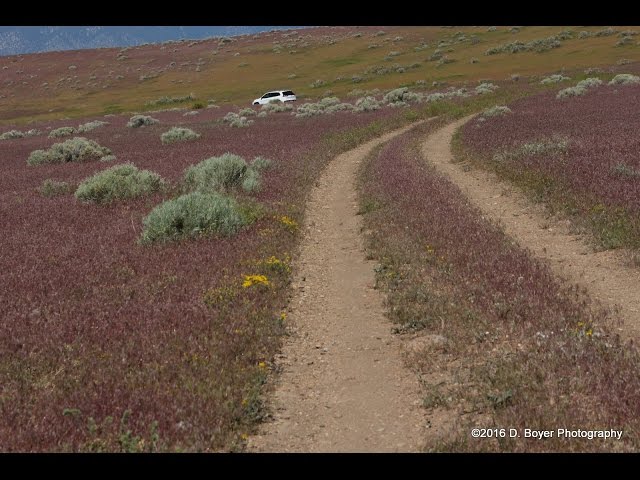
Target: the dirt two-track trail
pixel 604 274
pixel 343 386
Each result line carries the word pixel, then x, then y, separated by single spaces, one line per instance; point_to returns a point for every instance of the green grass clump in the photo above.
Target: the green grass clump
pixel 170 100
pixel 192 215
pixel 119 182
pixel 141 121
pixel 53 188
pixel 77 149
pixel 178 134
pixel 223 174
pixel 62 132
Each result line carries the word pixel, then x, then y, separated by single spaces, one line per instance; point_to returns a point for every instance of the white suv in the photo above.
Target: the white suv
pixel 276 95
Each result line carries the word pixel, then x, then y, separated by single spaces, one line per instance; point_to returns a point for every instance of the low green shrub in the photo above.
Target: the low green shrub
pixel 53 188
pixel 178 134
pixel 77 149
pixel 119 182
pixel 223 173
pixel 141 121
pixel 62 132
pixel 87 127
pixel 192 215
pixel 625 79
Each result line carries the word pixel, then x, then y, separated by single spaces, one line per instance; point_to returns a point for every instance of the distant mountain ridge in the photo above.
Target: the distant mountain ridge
pixel 18 40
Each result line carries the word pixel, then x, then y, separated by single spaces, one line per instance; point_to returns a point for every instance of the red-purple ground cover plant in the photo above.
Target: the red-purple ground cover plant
pixel 108 345
pixel 522 350
pixel 596 179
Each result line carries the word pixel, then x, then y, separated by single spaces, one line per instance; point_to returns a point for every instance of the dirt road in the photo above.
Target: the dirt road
pixel 603 274
pixel 343 387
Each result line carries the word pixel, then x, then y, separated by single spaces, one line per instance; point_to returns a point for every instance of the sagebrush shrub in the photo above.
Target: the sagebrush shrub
pixel 11 134
pixel 53 188
pixel 178 134
pixel 119 182
pixel 326 105
pixel 401 96
pixel 251 181
pixel 366 104
pixel 247 112
pixel 62 132
pixel 141 121
pixel 78 149
pixel 235 120
pixel 496 111
pixel 571 92
pixel 191 215
pixel 554 79
pixel 275 107
pixel 87 127
pixel 485 87
pixel 589 82
pixel 261 163
pixel 223 173
pixel 625 79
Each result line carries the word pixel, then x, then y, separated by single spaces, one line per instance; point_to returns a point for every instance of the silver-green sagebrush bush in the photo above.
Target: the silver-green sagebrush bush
pixel 141 121
pixel 223 174
pixel 485 87
pixel 53 188
pixel 119 182
pixel 496 111
pixel 554 79
pixel 178 134
pixel 275 107
pixel 261 163
pixel 247 112
pixel 191 215
pixel 401 96
pixel 571 92
pixel 324 106
pixel 366 104
pixel 77 149
pixel 235 120
pixel 12 134
pixel 87 127
pixel 625 79
pixel 62 132
pixel 589 82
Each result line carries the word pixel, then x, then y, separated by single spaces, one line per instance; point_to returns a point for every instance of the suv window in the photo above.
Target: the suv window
pixel 287 93
pixel 270 95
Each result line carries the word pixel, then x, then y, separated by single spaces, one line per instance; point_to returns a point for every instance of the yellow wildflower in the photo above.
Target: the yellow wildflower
pixel 283 316
pixel 244 436
pixel 589 332
pixel 288 222
pixel 250 280
pixel 262 365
